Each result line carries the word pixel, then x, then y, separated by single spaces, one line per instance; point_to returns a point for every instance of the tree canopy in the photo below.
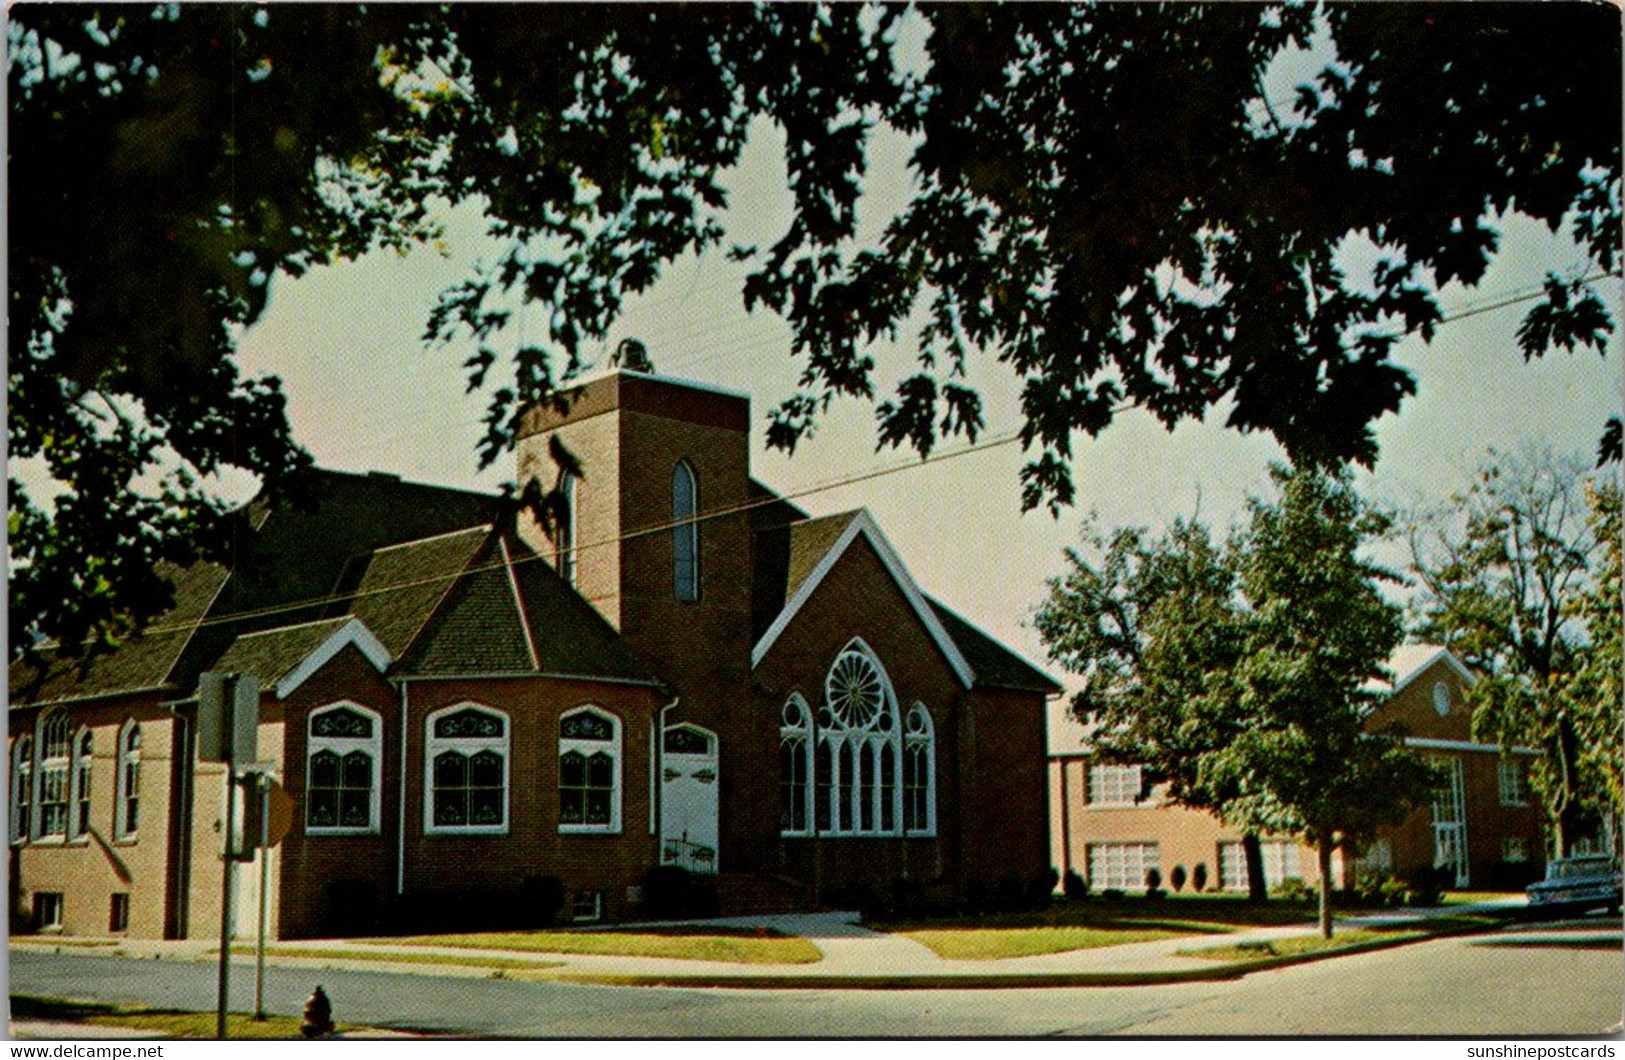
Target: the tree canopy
pixel 1519 573
pixel 1129 205
pixel 1241 676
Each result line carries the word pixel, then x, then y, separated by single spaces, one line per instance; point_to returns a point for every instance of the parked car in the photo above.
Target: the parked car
pixel 1573 885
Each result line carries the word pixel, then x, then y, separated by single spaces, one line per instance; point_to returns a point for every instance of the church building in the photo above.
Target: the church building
pixel 470 718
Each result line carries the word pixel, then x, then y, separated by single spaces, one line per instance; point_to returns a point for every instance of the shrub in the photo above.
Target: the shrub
pixel 1112 894
pixel 1199 877
pixel 1292 889
pixel 541 897
pixel 1177 878
pixel 1153 879
pixel 1010 896
pixel 1075 886
pixel 1428 884
pixel 667 892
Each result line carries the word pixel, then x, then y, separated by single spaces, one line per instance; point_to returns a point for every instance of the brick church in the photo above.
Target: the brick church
pixel 473 716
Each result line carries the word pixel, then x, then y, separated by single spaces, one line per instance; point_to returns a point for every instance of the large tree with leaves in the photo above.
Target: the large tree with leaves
pixel 1124 203
pixel 1508 581
pixel 1241 676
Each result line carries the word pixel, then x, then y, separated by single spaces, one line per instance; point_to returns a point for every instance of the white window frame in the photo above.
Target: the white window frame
pixel 22 788
pixel 1512 782
pixel 1122 865
pixel 51 762
pixel 1282 858
pixel 587 748
pixel 84 758
pixel 924 740
pixel 50 909
pixel 468 746
pixel 342 746
pixel 1515 849
pixel 685 528
pixel 795 735
pixel 1114 786
pixel 127 782
pixel 867 741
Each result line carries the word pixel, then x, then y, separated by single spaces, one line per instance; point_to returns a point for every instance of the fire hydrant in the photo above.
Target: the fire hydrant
pixel 318 1015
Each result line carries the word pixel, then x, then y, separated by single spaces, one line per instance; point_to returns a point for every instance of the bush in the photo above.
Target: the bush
pixel 1199 877
pixel 1153 879
pixel 1155 894
pixel 1292 889
pixel 1427 884
pixel 1075 886
pixel 1011 896
pixel 667 892
pixel 1112 894
pixel 541 897
pixel 1177 878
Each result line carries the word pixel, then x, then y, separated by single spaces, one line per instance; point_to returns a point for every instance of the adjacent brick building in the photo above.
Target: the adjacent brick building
pixel 1481 826
pixel 471 712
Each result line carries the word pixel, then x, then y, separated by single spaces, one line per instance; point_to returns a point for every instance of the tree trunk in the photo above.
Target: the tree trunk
pixel 1253 854
pixel 1323 852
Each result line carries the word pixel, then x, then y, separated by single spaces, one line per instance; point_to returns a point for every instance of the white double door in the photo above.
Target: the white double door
pixel 1450 821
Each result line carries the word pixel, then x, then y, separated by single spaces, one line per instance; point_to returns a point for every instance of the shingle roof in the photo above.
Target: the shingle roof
pixel 143 662
pixel 273 654
pixel 402 584
pixel 995 665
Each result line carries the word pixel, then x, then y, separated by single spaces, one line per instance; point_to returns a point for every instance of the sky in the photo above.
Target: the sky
pixel 365 394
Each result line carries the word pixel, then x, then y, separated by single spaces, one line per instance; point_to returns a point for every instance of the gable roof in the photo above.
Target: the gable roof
pixel 282 659
pixel 1410 661
pixel 144 662
pixel 793 560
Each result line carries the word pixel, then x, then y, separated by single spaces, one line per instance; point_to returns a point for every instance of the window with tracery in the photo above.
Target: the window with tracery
pixel 467 757
pixel 343 757
pixel 919 772
pixel 795 729
pixel 127 815
pixel 589 771
pixel 54 765
pixel 79 821
pixel 22 788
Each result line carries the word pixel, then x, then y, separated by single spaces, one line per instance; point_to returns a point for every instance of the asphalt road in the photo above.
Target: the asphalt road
pixel 1550 981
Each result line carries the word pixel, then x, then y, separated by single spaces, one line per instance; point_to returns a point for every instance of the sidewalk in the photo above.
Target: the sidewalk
pixel 854 957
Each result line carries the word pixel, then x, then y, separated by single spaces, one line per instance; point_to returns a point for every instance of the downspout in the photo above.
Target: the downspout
pixel 400 809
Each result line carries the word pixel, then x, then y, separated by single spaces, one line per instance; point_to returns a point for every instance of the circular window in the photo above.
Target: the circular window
pixel 792 717
pixel 853 690
pixel 916 720
pixel 1441 698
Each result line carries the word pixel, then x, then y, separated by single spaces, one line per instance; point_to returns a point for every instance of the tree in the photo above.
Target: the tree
pixel 1124 203
pixel 1506 576
pixel 1241 676
pixel 1154 631
pixel 1601 673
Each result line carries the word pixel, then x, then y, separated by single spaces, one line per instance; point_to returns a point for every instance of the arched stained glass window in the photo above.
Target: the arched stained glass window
pixel 55 751
pixel 83 764
pixel 858 745
pixel 467 761
pixel 919 773
pixel 589 771
pixel 795 763
pixel 22 788
pixel 127 817
pixel 341 778
pixel 685 532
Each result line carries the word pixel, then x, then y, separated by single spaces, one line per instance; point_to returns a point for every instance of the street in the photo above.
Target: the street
pixel 1546 980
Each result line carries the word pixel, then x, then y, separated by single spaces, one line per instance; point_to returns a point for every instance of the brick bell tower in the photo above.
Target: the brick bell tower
pixel 657 537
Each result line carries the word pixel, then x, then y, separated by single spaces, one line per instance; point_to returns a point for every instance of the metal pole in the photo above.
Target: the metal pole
pixel 227 878
pixel 265 897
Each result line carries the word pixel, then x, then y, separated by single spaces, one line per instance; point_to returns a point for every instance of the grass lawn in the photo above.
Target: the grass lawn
pixel 169 1022
pixel 470 960
pixel 1297 945
pixel 978 944
pixel 731 945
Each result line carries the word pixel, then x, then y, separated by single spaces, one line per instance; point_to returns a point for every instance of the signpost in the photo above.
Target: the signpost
pixel 228 715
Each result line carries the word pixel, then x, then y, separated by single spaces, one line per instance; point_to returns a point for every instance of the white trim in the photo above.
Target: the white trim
pixel 1467 676
pixel 352 632
pixel 1464 745
pixel 519 604
pixel 373 746
pixel 468 746
pixel 863 523
pixel 614 747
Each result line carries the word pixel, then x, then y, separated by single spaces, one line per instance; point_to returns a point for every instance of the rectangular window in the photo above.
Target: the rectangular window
pixel 1121 865
pixel 118 918
pixel 1114 785
pixel 48 910
pixel 1282 858
pixel 1515 848
pixel 1514 783
pixel 587 906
